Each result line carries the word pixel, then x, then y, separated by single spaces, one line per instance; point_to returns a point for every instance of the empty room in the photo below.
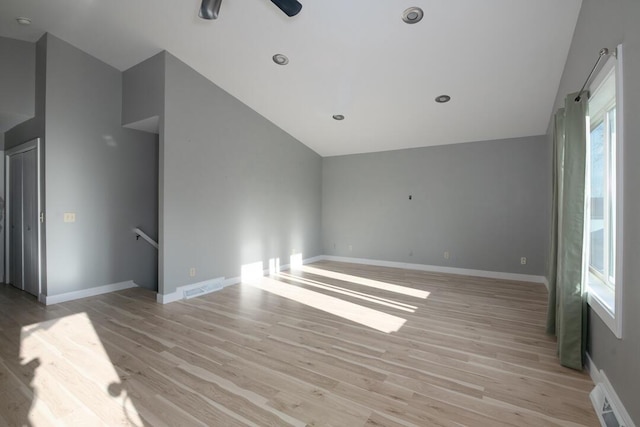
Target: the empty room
pixel 319 213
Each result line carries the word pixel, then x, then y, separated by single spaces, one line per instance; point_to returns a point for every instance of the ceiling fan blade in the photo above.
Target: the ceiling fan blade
pixel 209 9
pixel 290 7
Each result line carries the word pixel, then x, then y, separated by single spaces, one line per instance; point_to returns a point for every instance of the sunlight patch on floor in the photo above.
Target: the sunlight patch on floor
pixel 354 294
pixel 366 282
pixel 375 319
pixel 68 359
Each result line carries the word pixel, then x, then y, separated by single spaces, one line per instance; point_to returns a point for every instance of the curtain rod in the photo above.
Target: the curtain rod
pixel 603 52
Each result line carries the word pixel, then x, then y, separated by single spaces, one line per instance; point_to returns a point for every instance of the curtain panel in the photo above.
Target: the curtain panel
pixel 567 312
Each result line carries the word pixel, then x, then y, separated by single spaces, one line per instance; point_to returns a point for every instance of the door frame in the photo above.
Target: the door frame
pixel 24 147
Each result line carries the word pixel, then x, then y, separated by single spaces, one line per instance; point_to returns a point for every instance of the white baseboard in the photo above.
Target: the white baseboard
pixel 314 259
pixel 600 379
pixel 439 269
pixel 84 293
pixel 179 292
pixel 214 284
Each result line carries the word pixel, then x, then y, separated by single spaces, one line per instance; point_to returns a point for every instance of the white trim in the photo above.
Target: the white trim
pixel 545 282
pixel 84 293
pixel 614 320
pixel 603 311
pixel 599 378
pixel 620 142
pixel 33 144
pixel 178 294
pixel 440 269
pixel 312 260
pixel 222 282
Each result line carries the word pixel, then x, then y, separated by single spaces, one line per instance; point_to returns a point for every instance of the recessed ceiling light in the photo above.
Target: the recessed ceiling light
pixel 412 15
pixel 23 21
pixel 442 99
pixel 280 59
pixel 338 117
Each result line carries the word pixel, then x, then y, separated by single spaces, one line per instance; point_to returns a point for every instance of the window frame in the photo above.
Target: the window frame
pixel 605 301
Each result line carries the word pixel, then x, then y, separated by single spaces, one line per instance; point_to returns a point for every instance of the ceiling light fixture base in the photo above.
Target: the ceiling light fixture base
pixel 412 15
pixel 280 59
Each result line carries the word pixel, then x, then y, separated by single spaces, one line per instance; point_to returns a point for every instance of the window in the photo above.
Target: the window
pixel 603 182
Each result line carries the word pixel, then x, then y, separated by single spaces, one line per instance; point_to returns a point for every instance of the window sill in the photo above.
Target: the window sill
pixel 602 299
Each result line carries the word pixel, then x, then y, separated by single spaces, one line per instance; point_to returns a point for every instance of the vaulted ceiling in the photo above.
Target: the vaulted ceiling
pixel 500 61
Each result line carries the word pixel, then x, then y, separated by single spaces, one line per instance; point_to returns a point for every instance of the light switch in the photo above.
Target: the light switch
pixel 69 217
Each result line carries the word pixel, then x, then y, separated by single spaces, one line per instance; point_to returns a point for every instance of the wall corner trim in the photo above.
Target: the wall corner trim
pixel 84 293
pixel 600 380
pixel 439 269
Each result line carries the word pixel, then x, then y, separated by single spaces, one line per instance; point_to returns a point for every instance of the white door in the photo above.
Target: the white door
pixel 30 221
pixel 23 220
pixel 15 221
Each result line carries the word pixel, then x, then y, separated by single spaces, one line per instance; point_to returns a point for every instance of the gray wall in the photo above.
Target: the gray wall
pixel 143 90
pixel 485 203
pixel 17 82
pixel 606 24
pixel 33 127
pixel 107 175
pixel 235 189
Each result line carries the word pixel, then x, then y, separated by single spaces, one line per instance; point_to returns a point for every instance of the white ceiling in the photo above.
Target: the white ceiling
pixel 499 60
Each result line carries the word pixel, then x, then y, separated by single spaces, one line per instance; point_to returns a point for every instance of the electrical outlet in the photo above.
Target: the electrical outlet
pixel 69 217
pixel 350 248
pixel 523 260
pixel 446 254
pixel 410 253
pixel 192 272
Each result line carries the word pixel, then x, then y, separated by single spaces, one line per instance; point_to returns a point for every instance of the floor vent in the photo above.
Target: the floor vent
pixel 607 413
pixel 199 289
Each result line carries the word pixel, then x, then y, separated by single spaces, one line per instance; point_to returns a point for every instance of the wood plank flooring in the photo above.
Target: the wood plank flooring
pixel 333 345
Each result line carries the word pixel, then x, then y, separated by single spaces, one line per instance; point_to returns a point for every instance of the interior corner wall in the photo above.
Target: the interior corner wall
pixel 33 127
pixel 236 188
pixel 143 90
pixel 485 203
pixel 17 82
pixel 607 24
pixel 105 174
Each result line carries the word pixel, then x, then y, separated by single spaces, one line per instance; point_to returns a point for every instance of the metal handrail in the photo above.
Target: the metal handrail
pixel 139 233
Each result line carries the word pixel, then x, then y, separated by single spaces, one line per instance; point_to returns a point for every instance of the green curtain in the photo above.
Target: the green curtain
pixel 567 314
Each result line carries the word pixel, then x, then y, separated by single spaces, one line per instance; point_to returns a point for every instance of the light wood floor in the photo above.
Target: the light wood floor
pixel 283 351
